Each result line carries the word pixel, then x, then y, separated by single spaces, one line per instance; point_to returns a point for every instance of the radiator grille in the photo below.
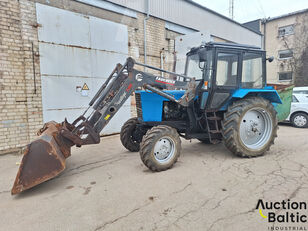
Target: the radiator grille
pixel 138 105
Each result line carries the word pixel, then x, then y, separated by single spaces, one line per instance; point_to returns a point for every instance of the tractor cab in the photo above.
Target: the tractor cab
pixel 223 68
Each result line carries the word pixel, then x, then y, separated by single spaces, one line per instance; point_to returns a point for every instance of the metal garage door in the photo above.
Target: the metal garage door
pixel 77 54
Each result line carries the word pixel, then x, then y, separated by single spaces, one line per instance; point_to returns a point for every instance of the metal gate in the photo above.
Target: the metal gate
pixel 77 54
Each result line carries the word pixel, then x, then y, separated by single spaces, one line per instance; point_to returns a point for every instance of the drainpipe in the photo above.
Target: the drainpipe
pixel 264 35
pixel 162 56
pixel 145 31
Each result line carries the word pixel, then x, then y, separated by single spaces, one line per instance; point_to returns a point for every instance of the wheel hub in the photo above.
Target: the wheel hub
pixel 300 120
pixel 164 149
pixel 252 127
pixel 255 128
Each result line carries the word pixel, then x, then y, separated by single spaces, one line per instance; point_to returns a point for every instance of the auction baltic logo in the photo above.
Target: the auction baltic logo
pixel 286 214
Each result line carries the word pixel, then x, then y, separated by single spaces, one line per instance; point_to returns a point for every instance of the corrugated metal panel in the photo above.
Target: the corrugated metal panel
pixel 181 12
pixel 178 28
pixel 111 7
pixel 77 50
pixel 138 5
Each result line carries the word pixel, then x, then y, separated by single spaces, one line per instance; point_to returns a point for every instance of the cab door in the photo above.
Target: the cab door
pixel 226 78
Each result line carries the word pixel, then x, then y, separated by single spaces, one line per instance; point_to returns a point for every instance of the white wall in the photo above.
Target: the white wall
pixel 184 13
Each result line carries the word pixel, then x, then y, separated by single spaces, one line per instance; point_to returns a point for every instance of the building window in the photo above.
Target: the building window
pixel 285 54
pixel 285 30
pixel 285 76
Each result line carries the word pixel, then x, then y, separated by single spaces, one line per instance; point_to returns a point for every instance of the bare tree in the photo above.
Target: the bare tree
pixel 298 43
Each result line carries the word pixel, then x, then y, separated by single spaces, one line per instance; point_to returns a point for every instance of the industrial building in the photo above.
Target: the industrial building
pixel 54 55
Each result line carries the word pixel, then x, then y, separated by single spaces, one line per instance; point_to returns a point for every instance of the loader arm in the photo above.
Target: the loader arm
pixel 123 81
pixel 45 157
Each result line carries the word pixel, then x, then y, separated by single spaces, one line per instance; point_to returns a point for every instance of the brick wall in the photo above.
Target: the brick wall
pixel 159 40
pixel 31 66
pixel 14 85
pixel 20 86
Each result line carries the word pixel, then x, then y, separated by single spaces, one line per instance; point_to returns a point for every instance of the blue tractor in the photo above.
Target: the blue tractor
pixel 221 97
pixel 229 102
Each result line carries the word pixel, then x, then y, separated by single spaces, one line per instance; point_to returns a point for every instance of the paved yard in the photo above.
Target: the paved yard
pixel 106 187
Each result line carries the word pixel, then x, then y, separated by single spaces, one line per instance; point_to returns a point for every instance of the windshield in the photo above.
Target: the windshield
pixel 195 68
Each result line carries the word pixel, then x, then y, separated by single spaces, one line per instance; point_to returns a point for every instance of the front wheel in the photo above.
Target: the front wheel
pixel 160 148
pixel 299 120
pixel 249 127
pixel 127 135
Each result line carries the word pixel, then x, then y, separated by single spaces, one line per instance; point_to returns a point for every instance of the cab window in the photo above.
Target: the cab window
pixel 227 68
pixel 193 67
pixel 252 72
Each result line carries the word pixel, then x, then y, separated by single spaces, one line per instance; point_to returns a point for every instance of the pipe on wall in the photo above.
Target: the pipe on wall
pixel 264 34
pixel 162 56
pixel 145 31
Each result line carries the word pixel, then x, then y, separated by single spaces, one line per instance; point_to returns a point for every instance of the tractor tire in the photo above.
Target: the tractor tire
pixel 249 127
pixel 126 135
pixel 299 120
pixel 160 148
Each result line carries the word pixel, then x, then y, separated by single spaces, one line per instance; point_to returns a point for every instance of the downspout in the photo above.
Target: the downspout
pixel 264 34
pixel 145 31
pixel 162 56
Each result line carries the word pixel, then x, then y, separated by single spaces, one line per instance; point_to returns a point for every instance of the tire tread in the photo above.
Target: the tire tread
pixel 147 145
pixel 232 118
pixel 125 135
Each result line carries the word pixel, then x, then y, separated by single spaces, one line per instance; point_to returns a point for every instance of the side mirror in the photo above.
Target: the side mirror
pixel 270 59
pixel 202 64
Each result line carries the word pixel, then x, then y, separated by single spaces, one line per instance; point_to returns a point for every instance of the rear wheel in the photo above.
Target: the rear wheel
pixel 160 148
pixel 249 127
pixel 300 120
pixel 127 135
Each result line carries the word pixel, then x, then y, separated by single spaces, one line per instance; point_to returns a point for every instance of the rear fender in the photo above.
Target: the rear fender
pixel 268 93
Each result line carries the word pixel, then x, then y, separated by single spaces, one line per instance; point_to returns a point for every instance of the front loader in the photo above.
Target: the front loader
pixel 222 96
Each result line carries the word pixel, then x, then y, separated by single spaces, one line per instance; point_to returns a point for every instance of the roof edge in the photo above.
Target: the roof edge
pixel 220 15
pixel 285 15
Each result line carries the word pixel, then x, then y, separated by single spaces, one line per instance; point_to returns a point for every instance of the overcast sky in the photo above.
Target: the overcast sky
pixel 248 10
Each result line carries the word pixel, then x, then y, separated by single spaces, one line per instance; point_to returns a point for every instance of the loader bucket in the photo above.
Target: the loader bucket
pixel 43 159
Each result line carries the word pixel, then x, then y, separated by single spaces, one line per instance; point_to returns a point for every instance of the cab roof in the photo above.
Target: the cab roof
pixel 232 45
pixel 226 45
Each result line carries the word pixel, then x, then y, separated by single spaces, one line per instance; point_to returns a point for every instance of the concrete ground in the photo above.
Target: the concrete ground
pixel 106 187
